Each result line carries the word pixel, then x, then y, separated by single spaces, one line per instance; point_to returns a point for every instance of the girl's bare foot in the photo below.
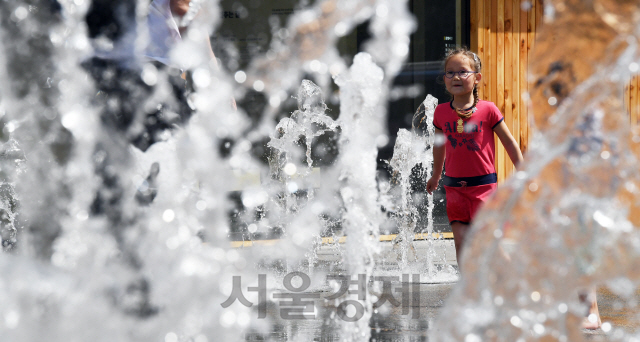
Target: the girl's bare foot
pixel 592 322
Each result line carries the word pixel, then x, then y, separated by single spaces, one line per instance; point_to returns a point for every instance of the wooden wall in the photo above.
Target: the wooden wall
pixel 632 100
pixel 503 34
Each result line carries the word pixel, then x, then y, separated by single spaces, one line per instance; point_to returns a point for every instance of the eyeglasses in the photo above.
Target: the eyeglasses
pixel 462 73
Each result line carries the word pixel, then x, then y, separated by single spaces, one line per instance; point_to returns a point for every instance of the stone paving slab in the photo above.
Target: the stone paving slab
pixel 391 324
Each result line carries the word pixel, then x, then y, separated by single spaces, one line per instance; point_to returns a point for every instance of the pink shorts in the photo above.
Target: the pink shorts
pixel 463 202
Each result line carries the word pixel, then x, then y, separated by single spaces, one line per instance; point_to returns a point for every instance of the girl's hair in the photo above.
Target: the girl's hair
pixel 476 64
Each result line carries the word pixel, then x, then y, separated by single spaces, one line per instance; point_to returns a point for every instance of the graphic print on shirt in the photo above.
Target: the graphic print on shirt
pixel 463 134
pixel 453 141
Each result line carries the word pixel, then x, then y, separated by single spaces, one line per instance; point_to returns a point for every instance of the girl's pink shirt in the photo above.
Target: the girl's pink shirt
pixel 469 143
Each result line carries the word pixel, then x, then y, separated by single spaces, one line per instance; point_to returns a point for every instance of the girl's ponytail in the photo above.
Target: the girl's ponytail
pixel 476 97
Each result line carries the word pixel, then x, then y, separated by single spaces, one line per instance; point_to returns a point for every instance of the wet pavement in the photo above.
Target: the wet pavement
pixel 388 323
pixel 411 303
pixel 391 323
pixel 619 312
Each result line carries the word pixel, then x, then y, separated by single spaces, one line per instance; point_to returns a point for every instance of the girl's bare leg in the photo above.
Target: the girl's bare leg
pixel 460 231
pixel 592 321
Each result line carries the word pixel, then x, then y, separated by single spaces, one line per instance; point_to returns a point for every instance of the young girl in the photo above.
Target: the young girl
pixel 466 126
pixel 468 153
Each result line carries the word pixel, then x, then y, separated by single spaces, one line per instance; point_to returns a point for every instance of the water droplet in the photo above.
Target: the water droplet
pixel 283 33
pixel 252 228
pixel 401 49
pixel 240 76
pixel 315 65
pixel 336 68
pixel 292 187
pixel 201 338
pixel 218 253
pixel 253 198
pixel 19 14
pixel 290 169
pixel 538 329
pixel 201 205
pixel 516 321
pixel 10 127
pixel 171 337
pixel 12 319
pixel 149 74
pixel 232 255
pixel 243 319
pixel 341 29
pixel 382 11
pixel 173 242
pixel 258 86
pixel 168 215
pixel 562 307
pixel 382 140
pixel 472 338
pixel 274 101
pixel 535 296
pixel 201 77
pixel 82 215
pixel 603 219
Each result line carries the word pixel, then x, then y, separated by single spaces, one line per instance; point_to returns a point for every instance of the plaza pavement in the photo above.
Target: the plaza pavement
pixel 614 310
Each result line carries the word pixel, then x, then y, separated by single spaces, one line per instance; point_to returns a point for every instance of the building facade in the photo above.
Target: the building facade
pixel 502 32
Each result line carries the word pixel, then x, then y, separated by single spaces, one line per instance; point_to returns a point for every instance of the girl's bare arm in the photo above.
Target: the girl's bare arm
pixel 509 143
pixel 438 163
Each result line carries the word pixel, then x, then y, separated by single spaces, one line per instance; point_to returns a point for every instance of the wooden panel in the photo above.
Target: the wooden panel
pixel 503 37
pixel 631 99
pixel 635 109
pixel 538 9
pixel 509 115
pixel 473 25
pixel 525 29
pixel 486 37
pixel 636 101
pixel 626 101
pixel 477 39
pixel 516 98
pixel 488 48
pixel 493 65
pixel 499 80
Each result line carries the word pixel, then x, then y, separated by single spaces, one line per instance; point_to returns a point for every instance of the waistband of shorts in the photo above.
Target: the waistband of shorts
pixel 458 182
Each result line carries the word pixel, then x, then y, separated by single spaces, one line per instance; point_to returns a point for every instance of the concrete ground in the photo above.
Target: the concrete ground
pixel 411 321
pixel 441 247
